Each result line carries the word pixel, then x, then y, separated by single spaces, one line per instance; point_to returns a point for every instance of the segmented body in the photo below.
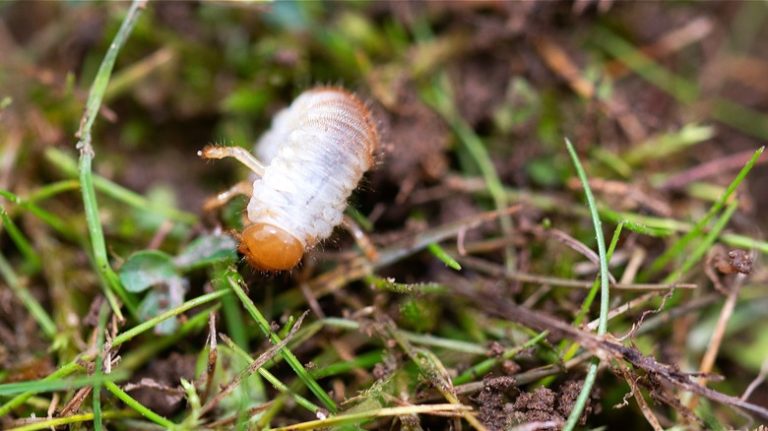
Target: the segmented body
pixel 315 153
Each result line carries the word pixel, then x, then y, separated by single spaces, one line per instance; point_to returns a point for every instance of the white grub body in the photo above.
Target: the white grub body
pixel 315 153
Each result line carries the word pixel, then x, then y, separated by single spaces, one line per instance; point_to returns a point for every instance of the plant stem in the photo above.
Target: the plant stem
pixel 138 407
pixel 25 297
pixel 144 326
pixel 72 419
pixel 289 357
pixel 602 326
pixel 95 231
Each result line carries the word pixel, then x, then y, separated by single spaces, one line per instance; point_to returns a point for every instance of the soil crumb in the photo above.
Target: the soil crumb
pixel 501 405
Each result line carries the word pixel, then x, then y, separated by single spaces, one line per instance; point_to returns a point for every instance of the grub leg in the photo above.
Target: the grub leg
pixel 362 240
pixel 242 188
pixel 241 154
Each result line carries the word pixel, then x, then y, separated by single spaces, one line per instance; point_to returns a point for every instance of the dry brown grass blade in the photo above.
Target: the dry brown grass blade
pixel 578 247
pixel 729 163
pixel 213 354
pixel 500 272
pixel 677 39
pixel 558 60
pixel 733 289
pixel 644 408
pixel 360 266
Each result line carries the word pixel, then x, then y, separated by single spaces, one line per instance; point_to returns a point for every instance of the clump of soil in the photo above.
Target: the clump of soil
pixel 501 405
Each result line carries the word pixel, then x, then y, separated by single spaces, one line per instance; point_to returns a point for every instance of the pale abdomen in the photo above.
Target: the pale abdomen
pixel 315 154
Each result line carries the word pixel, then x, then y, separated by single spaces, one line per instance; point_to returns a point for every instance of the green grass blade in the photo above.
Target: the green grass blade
pixel 440 253
pixel 695 256
pixel 18 400
pixel 484 367
pixel 53 384
pixel 25 297
pixel 641 64
pixel 233 316
pixel 98 365
pixel 74 365
pixel 273 380
pixel 71 419
pixel 698 228
pixel 602 327
pixel 737 116
pixel 55 222
pixel 587 303
pixel 50 190
pixel 151 323
pixel 95 231
pixel 32 260
pixel 138 407
pixel 289 357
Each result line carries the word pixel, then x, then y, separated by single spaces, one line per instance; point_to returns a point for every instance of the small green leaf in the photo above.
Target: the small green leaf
pixel 162 298
pixel 147 268
pixel 206 250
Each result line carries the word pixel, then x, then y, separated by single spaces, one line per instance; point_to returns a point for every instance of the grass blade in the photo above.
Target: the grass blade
pixel 95 231
pixel 698 228
pixel 289 357
pixel 25 297
pixel 602 327
pixel 138 407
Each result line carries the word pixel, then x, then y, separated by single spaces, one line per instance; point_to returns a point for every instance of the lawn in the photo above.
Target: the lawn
pixel 555 222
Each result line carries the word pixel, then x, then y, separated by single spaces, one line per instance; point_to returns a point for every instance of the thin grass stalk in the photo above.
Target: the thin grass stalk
pixel 702 248
pixel 67 420
pixel 585 306
pixel 484 367
pixel 75 365
pixel 143 353
pixel 440 253
pixel 31 257
pixel 95 231
pixel 272 379
pixel 440 100
pixel 151 323
pixel 65 370
pixel 698 228
pixel 138 407
pixel 738 116
pixel 25 297
pixel 602 327
pixel 48 191
pixel 233 316
pixel 98 367
pixel 58 384
pixel 289 357
pixel 353 418
pixel 52 220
